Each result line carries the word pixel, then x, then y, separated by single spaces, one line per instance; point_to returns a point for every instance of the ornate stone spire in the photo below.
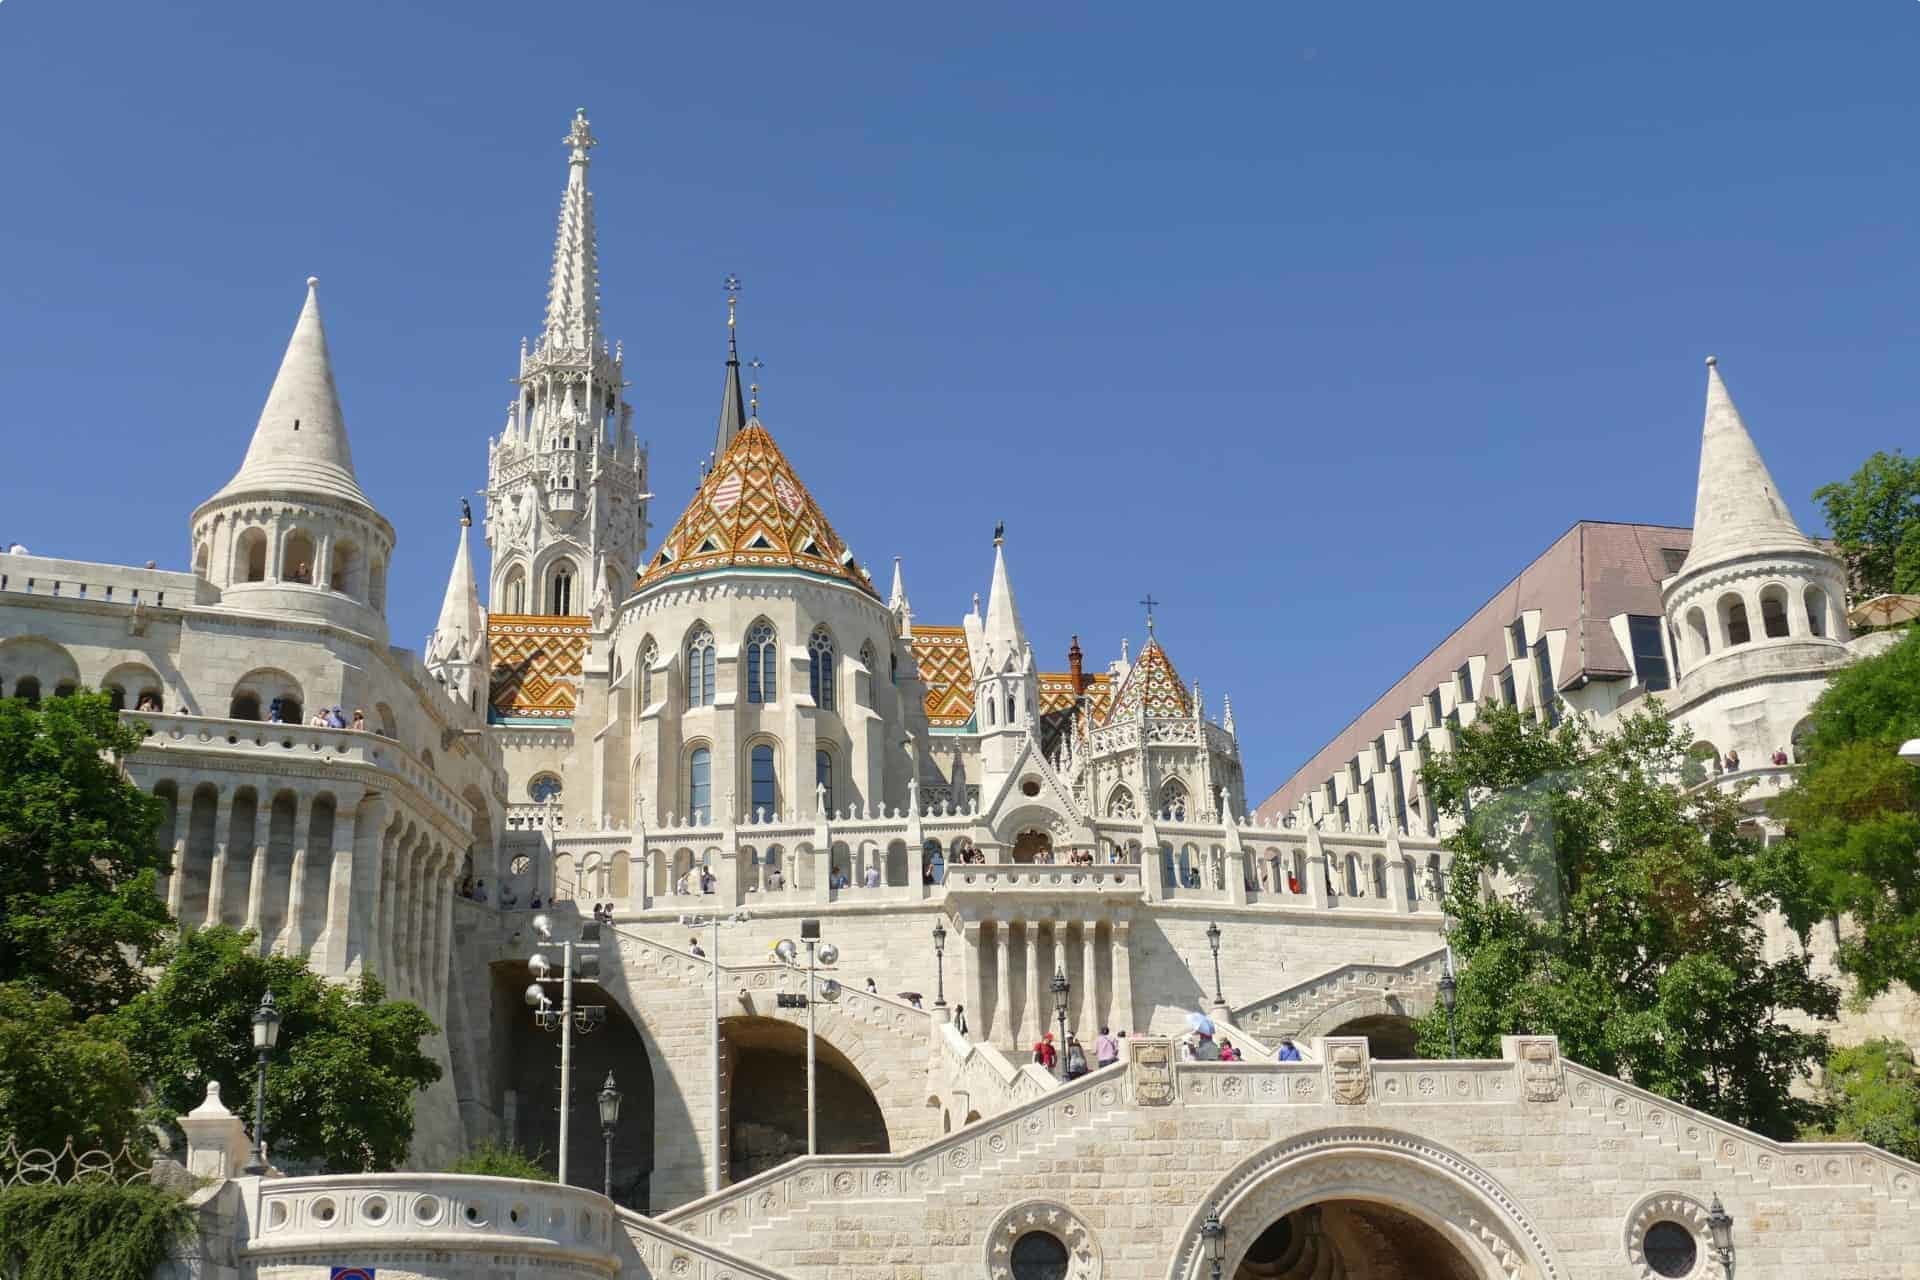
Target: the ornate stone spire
pixel 1003 634
pixel 1737 509
pixel 897 599
pixel 462 622
pixel 300 443
pixel 573 294
pixel 733 414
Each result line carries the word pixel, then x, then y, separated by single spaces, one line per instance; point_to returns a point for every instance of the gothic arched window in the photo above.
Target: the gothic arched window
pixel 1120 803
pixel 560 589
pixel 1173 801
pixel 700 786
pixel 762 651
pixel 764 800
pixel 649 654
pixel 820 669
pixel 514 592
pixel 700 668
pixel 823 778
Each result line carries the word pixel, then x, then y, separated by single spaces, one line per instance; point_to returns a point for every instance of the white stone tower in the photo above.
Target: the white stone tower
pixel 1006 684
pixel 566 479
pixel 292 533
pixel 456 652
pixel 1758 610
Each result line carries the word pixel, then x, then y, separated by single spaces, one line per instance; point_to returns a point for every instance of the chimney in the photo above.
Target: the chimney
pixel 1073 668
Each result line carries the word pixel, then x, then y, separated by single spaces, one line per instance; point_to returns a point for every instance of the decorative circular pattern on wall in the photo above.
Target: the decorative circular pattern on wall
pixel 1666 1237
pixel 1014 1252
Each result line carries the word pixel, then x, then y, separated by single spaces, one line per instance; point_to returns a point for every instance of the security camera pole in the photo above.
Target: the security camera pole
pixel 545 1016
pixel 788 954
pixel 713 922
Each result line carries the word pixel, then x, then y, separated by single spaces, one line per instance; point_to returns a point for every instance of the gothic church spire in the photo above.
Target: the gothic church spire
pixel 733 414
pixel 573 294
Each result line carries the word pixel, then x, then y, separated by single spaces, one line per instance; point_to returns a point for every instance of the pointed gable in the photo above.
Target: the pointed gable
pixel 1152 684
pixel 753 512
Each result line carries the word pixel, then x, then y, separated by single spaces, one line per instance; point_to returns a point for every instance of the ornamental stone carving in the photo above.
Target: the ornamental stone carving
pixel 1664 1206
pixel 1051 1218
pixel 1349 1069
pixel 1541 1078
pixel 1150 1065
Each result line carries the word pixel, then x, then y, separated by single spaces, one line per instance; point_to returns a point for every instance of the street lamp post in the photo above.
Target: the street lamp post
pixel 1061 987
pixel 818 953
pixel 1214 1233
pixel 1213 941
pixel 1449 992
pixel 939 965
pixel 609 1118
pixel 713 923
pixel 266 1034
pixel 567 1018
pixel 1720 1229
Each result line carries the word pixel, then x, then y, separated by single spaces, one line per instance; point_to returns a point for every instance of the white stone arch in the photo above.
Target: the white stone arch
pixel 1774 616
pixel 264 684
pixel 1033 814
pixel 34 658
pixel 1432 1183
pixel 1410 1001
pixel 129 681
pixel 512 597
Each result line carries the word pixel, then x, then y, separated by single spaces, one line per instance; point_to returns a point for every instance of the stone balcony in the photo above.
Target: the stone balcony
pixel 1119 880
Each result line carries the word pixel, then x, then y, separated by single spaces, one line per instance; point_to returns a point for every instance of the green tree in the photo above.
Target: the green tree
pixel 61 1079
pixel 502 1160
pixel 78 912
pixel 1853 817
pixel 1875 519
pixel 1873 1093
pixel 1625 917
pixel 343 1077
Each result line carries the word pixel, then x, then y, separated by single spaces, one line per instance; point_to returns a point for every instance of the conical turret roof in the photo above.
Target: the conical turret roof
pixel 752 512
pixel 1151 683
pixel 1002 633
pixel 1737 508
pixel 300 443
pixel 462 621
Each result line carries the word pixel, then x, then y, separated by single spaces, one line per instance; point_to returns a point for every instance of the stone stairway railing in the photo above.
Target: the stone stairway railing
pixel 665 1251
pixel 1741 1153
pixel 1291 1008
pixel 991 1081
pixel 878 1012
pixel 804 1184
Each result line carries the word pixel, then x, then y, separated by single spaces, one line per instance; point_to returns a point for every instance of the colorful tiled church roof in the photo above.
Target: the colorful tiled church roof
pixel 1152 683
pixel 537 662
pixel 941 653
pixel 753 512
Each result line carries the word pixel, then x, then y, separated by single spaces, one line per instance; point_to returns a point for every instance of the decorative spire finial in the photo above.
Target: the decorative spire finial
pixel 1150 602
pixel 733 300
pixel 580 137
pixel 999 532
pixel 753 389
pixel 1713 361
pixel 466 514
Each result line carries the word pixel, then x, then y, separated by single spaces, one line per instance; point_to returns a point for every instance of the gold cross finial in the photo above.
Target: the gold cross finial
pixel 753 388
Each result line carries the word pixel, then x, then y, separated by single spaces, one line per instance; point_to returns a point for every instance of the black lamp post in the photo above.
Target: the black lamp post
pixel 1215 1235
pixel 1213 940
pixel 939 965
pixel 609 1118
pixel 1061 987
pixel 1720 1228
pixel 1449 992
pixel 266 1034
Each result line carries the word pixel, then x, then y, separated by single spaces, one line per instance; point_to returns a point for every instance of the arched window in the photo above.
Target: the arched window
pixel 762 657
pixel 1353 875
pixel 543 788
pixel 823 777
pixel 700 786
pixel 296 565
pixel 649 654
pixel 202 556
pixel 116 697
pixel 866 654
pixel 1816 612
pixel 764 800
pixel 513 593
pixel 560 588
pixel 700 668
pixel 1120 803
pixel 1773 611
pixel 253 556
pixel 1697 629
pixel 820 669
pixel 245 706
pixel 992 702
pixel 1173 802
pixel 377 586
pixel 1733 620
pixel 27 689
pixel 343 574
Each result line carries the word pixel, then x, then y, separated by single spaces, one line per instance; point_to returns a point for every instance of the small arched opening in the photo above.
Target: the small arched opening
pixel 767 1097
pixel 1773 612
pixel 296 560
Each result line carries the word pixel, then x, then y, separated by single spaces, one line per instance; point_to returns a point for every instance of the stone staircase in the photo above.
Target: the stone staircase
pixel 1290 1010
pixel 750 1211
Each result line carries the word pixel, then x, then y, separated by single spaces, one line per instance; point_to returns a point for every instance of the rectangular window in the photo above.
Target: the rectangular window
pixel 1434 715
pixel 1406 731
pixel 1517 639
pixel 1331 799
pixel 1464 679
pixel 1649 655
pixel 1346 815
pixel 1399 796
pixel 1373 812
pixel 763 800
pixel 823 779
pixel 1507 695
pixel 1543 668
pixel 1353 775
pixel 1673 558
pixel 1380 753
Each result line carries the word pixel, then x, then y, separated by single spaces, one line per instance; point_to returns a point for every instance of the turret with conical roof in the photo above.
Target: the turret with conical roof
pixel 292 531
pixel 456 652
pixel 1755 596
pixel 566 479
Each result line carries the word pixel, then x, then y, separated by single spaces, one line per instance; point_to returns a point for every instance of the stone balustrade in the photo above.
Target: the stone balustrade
pixel 381 1220
pixel 102 583
pixel 1118 879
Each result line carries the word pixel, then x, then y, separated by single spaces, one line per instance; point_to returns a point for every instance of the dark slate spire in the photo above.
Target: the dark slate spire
pixel 733 412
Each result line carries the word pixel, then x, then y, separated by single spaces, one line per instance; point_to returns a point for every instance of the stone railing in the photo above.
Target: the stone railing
pixel 241 740
pixel 803 1184
pixel 371 1219
pixel 101 583
pixel 664 1251
pixel 1290 1009
pixel 1119 879
pixel 526 816
pixel 1740 1152
pixel 991 1081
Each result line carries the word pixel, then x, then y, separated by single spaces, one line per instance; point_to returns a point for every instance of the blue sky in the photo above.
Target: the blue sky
pixel 1316 322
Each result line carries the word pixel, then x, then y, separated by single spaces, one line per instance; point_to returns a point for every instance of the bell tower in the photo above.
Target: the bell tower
pixel 566 480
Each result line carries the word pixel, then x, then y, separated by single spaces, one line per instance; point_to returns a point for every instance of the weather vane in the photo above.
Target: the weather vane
pixel 733 296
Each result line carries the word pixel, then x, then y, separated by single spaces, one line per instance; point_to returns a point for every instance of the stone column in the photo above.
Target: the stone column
pixel 330 948
pixel 1000 961
pixel 291 940
pixel 1033 1017
pixel 176 872
pixel 973 987
pixel 257 869
pixel 1122 1015
pixel 400 915
pixel 823 872
pixel 222 836
pixel 1089 982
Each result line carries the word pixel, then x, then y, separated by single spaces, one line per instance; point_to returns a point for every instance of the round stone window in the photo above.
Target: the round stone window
pixel 1030 787
pixel 1671 1249
pixel 1039 1255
